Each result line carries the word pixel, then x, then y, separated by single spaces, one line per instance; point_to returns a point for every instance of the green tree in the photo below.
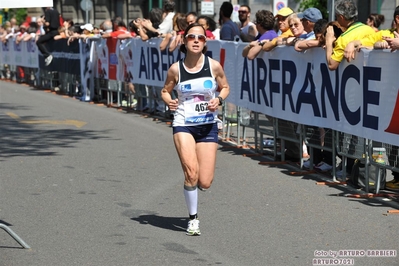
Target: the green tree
pixel 322 5
pixel 19 14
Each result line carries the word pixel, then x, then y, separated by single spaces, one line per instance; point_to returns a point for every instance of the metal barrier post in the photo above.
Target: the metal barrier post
pixel 14 235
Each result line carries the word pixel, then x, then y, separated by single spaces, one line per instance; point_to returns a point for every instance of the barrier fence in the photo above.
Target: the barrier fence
pixel 287 98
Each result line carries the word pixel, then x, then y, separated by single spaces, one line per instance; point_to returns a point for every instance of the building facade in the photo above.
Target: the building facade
pixel 131 9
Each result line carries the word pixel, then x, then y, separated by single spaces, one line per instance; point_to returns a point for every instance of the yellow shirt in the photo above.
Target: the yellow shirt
pixel 377 37
pixel 356 31
pixel 285 34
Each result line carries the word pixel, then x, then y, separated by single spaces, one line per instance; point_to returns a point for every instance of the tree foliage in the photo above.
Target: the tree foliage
pixel 19 14
pixel 322 5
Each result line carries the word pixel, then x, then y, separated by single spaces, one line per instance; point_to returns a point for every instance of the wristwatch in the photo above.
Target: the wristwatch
pixel 261 43
pixel 220 100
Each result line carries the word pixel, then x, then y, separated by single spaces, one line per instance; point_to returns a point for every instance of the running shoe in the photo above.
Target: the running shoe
pixel 48 60
pixel 193 228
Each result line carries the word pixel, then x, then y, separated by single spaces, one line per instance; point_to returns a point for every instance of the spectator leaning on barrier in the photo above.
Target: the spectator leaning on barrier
pixel 318 29
pixel 196 78
pixel 296 28
pixel 229 30
pixel 346 14
pixel 248 28
pixel 378 40
pixel 284 29
pixel 51 25
pixel 309 17
pixel 264 21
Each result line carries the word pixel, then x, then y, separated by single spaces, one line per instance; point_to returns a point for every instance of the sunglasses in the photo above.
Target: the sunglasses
pixel 242 11
pixel 296 25
pixel 196 37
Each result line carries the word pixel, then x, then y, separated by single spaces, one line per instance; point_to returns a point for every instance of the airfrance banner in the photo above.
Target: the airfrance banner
pixel 360 98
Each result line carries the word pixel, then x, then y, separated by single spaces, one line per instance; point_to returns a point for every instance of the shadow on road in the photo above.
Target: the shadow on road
pixel 169 223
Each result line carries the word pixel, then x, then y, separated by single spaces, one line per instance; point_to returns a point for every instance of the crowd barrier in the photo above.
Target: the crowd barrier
pixel 284 96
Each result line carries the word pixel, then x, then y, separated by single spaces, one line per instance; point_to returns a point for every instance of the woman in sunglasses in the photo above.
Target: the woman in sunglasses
pixel 196 79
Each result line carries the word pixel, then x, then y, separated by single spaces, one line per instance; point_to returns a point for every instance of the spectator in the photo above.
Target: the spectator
pixel 51 25
pixel 318 30
pixel 209 26
pixel 379 40
pixel 229 30
pixel 296 28
pixel 308 18
pixel 248 29
pixel 375 20
pixel 179 26
pixel 167 23
pixel 61 35
pixel 346 12
pixel 20 33
pixel 142 30
pixel 284 29
pixel 40 27
pixel 191 17
pixel 265 27
pixel 156 17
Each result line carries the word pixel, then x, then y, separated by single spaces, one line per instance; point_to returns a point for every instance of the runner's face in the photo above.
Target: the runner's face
pixel 195 45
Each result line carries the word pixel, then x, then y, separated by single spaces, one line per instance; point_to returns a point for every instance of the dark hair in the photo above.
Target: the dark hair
pixel 121 23
pixel 337 32
pixel 179 20
pixel 396 12
pixel 192 13
pixel 211 23
pixel 265 19
pixel 249 9
pixel 76 28
pixel 169 6
pixel 319 26
pixel 377 19
pixel 226 9
pixel 155 16
pixel 183 48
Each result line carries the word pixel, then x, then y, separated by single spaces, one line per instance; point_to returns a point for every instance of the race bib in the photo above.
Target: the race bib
pixel 197 112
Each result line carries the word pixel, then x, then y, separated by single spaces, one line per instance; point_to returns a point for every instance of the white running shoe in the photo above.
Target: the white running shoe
pixel 324 167
pixel 193 228
pixel 48 60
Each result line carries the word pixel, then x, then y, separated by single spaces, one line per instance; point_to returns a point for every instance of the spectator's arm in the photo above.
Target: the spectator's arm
pixel 126 35
pixel 330 38
pixel 165 42
pixel 306 44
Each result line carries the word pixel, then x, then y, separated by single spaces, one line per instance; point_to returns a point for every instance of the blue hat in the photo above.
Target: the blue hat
pixel 312 14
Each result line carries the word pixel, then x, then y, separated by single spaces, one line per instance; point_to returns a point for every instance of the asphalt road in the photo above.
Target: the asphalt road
pixel 83 184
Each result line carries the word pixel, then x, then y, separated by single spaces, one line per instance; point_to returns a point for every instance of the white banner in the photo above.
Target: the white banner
pixel 360 98
pixel 25 3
